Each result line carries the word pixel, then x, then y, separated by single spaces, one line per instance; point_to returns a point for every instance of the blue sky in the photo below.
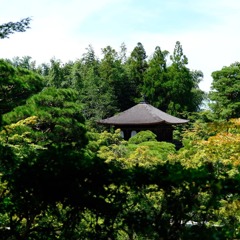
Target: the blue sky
pixel 207 29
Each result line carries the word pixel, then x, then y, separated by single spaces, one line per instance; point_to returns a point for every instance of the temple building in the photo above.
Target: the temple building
pixel 143 117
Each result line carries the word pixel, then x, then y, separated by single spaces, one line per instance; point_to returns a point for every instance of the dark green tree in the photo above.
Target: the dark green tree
pixel 136 66
pixel 67 81
pixel 90 61
pixel 96 94
pixel 155 79
pixel 17 84
pixel 76 77
pixel 56 76
pixel 114 76
pixel 182 88
pixel 225 92
pixel 109 71
pixel 48 166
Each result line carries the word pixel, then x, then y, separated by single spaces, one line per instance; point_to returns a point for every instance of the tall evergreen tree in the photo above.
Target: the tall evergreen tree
pixel 136 67
pixel 112 72
pixel 90 61
pixel 76 77
pixel 225 92
pixel 55 77
pixel 155 79
pixel 67 68
pixel 182 84
pixel 96 94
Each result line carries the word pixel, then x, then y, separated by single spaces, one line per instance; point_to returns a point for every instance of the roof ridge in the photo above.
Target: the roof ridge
pixel 155 116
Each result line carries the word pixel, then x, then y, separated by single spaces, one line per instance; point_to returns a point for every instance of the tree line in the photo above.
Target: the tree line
pixel 117 81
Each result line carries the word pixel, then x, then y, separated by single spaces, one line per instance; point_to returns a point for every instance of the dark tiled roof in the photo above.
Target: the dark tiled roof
pixel 142 114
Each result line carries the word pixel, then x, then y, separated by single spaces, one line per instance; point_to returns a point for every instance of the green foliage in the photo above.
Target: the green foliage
pixel 44 142
pixel 143 136
pixel 17 84
pixel 59 181
pixel 111 188
pixel 59 74
pixel 173 88
pixel 58 115
pixel 116 82
pixel 136 66
pixel 155 79
pixel 225 95
pixel 175 195
pixel 24 62
pixel 113 73
pixel 11 27
pixel 76 77
pixel 182 89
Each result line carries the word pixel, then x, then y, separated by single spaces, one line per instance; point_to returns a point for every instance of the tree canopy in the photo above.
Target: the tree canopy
pixel 16 85
pixel 64 177
pixel 225 94
pixel 116 82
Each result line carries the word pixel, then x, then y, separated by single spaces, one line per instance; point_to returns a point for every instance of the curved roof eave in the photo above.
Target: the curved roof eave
pixel 142 114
